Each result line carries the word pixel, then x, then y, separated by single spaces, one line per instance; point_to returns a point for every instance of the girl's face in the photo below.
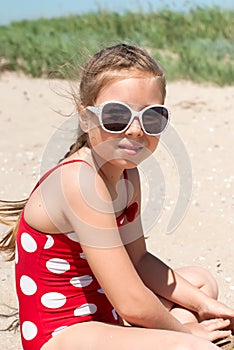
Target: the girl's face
pixel 129 148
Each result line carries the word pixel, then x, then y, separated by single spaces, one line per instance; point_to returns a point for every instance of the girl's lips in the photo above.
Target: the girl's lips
pixel 133 148
pixel 130 149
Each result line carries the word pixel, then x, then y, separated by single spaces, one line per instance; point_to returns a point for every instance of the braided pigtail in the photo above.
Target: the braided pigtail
pixel 80 142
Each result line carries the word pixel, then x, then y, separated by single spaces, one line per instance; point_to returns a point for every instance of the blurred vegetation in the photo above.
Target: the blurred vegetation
pixel 196 45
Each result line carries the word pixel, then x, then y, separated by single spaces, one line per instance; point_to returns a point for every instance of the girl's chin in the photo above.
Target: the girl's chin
pixel 125 163
pixel 120 160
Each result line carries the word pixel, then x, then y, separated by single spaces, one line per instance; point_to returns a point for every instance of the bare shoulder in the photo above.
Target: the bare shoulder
pixel 80 180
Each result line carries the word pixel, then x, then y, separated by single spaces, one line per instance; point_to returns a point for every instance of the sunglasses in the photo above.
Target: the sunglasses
pixel 116 117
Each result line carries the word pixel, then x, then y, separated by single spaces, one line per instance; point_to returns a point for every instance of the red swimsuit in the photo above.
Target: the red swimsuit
pixel 55 286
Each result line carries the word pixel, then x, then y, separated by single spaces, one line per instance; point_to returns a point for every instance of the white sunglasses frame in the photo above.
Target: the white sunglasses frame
pixel 98 111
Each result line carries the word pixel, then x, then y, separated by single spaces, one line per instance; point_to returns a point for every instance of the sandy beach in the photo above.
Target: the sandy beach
pixel 31 112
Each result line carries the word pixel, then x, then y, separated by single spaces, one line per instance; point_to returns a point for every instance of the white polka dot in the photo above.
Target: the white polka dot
pixel 121 221
pixel 27 285
pixel 28 243
pixel 81 281
pixel 53 300
pixel 82 256
pixel 115 314
pixel 101 291
pixel 57 265
pixel 16 254
pixel 49 242
pixel 73 236
pixel 85 310
pixel 58 330
pixel 29 330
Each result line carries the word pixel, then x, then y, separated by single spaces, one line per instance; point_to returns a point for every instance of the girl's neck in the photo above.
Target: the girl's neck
pixel 110 173
pixel 112 177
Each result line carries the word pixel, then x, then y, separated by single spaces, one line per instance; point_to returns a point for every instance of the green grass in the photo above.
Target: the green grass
pixel 195 45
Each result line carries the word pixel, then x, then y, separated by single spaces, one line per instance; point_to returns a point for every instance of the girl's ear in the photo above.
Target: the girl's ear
pixel 83 119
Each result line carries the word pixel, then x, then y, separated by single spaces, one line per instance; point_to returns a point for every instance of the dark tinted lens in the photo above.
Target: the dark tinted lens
pixel 155 119
pixel 115 117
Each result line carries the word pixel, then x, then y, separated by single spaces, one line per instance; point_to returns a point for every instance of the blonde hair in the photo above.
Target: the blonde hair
pixel 10 212
pixel 106 66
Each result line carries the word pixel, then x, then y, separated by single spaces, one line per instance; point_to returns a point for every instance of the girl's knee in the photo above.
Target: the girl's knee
pixel 201 278
pixel 210 285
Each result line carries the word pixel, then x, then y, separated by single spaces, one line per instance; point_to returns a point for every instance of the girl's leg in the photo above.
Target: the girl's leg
pixel 200 278
pixel 101 336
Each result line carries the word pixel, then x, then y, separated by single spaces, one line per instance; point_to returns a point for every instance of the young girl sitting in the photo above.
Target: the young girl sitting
pixel 84 278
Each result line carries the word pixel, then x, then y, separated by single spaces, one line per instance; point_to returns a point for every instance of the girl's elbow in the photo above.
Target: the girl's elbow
pixel 133 313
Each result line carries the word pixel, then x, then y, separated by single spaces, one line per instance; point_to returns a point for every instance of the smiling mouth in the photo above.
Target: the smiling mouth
pixel 131 148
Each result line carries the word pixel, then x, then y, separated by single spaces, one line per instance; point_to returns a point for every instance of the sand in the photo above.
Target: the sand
pixel 202 115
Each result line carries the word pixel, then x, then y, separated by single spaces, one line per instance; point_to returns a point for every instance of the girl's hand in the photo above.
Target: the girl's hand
pixel 210 329
pixel 215 309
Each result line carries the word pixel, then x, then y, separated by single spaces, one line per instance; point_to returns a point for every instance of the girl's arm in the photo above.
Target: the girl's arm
pixel 92 218
pixel 165 282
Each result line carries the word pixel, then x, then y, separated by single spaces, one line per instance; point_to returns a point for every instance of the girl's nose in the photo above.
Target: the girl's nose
pixel 134 128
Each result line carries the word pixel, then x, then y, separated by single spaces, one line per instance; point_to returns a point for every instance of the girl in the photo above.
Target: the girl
pixel 84 278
